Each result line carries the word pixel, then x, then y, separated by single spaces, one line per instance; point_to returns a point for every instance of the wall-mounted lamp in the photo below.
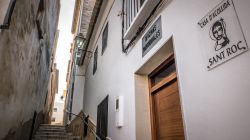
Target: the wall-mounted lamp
pixel 79 40
pixel 80 50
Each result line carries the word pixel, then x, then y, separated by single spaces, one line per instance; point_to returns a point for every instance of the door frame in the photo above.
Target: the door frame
pixel 154 88
pixel 104 104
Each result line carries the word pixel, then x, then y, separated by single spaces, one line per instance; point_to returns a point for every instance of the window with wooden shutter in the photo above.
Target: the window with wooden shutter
pixel 105 38
pixel 95 60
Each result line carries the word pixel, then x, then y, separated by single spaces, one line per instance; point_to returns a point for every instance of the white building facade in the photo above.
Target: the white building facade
pixel 194 50
pixel 57 116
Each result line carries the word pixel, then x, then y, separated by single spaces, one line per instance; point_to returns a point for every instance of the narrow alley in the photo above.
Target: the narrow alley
pixel 124 70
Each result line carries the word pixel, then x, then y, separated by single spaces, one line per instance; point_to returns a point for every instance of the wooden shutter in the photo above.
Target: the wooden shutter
pixel 95 60
pixel 105 38
pixel 102 119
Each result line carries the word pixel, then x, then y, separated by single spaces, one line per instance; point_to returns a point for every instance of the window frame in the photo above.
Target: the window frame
pixel 105 38
pixel 53 119
pixel 132 10
pixel 102 118
pixel 55 109
pixel 95 60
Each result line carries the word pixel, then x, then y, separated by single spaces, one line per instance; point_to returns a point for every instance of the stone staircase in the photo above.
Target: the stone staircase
pixel 53 132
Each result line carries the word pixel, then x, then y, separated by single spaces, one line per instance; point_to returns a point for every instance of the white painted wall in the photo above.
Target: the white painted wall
pixel 78 91
pixel 215 103
pixel 58 115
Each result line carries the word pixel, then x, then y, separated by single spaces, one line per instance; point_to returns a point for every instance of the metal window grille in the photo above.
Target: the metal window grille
pixel 132 8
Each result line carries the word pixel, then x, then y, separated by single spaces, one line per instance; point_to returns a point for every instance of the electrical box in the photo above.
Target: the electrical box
pixel 119 109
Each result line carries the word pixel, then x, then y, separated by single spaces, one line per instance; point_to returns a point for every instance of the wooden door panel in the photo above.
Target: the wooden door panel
pixel 176 137
pixel 168 113
pixel 169 102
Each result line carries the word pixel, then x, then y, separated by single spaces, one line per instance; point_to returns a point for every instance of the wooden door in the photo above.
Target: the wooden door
pixel 166 108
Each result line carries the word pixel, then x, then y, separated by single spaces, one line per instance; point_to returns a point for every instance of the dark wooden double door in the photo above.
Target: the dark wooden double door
pixel 102 119
pixel 166 107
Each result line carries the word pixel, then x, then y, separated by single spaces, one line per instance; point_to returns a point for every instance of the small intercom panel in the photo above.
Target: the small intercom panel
pixel 119 109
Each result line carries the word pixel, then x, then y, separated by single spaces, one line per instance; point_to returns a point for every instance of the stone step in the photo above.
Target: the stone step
pixel 46 127
pixel 52 133
pixel 52 136
pixel 52 126
pixel 41 125
pixel 69 138
pixel 50 130
pixel 57 139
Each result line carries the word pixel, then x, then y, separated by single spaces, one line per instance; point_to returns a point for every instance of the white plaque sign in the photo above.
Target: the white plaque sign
pixel 221 35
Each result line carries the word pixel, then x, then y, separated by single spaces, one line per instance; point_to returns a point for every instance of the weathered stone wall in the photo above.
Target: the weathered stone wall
pixel 76 126
pixel 52 91
pixel 24 67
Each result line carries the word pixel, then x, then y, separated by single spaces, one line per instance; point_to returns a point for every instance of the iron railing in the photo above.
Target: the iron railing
pixel 97 137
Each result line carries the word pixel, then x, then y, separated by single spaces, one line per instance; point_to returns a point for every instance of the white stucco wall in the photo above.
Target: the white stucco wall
pixel 215 103
pixel 78 91
pixel 58 115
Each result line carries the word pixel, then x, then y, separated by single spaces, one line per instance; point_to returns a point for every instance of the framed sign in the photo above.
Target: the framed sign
pixel 152 36
pixel 221 34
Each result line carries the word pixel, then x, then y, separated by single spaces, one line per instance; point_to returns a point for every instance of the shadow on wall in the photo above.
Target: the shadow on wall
pixel 27 129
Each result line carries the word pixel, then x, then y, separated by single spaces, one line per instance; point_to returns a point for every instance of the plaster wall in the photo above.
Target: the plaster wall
pixel 76 126
pixel 58 115
pixel 78 94
pixel 215 103
pixel 24 71
pixel 52 91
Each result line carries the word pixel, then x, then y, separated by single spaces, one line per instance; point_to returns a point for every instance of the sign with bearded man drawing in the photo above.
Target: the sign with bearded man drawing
pixel 218 31
pixel 221 35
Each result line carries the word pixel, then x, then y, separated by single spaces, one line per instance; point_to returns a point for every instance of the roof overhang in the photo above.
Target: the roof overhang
pixel 91 9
